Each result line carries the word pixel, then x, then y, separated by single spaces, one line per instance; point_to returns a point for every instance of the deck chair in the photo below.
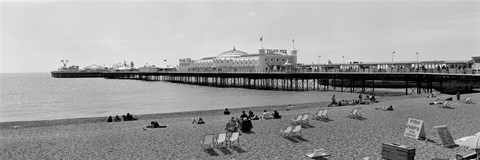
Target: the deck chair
pixel 468 100
pixel 234 137
pixel 207 141
pixel 354 114
pixel 221 139
pixel 317 153
pixel 445 105
pixel 297 130
pixel 305 119
pixel 297 120
pixel 318 115
pixel 324 114
pixel 286 131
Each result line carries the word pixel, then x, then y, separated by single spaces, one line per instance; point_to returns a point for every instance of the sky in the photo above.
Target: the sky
pixel 36 35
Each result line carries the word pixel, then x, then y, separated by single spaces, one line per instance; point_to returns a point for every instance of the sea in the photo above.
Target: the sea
pixel 38 96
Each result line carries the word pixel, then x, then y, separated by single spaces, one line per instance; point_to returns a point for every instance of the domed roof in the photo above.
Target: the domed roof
pixel 232 54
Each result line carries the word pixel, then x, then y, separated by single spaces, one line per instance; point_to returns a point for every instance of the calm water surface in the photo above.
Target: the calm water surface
pixel 38 96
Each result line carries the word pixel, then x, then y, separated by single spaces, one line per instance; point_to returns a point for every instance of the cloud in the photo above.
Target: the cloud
pixel 252 14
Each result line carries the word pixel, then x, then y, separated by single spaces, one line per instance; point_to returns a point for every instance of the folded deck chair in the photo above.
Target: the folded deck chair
pixel 318 115
pixel 324 114
pixel 445 105
pixel 297 130
pixel 297 120
pixel 234 137
pixel 317 153
pixel 305 119
pixel 221 139
pixel 468 100
pixel 207 141
pixel 286 131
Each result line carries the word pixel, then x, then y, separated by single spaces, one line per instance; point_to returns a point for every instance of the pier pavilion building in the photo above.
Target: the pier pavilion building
pixel 266 60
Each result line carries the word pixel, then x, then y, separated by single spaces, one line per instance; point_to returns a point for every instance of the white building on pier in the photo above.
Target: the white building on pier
pixel 266 60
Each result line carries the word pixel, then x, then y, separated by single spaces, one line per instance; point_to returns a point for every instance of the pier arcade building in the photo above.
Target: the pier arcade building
pixel 266 60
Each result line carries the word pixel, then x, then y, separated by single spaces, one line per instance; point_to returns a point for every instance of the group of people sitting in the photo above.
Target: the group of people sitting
pixel 154 124
pixel 233 125
pixel 252 116
pixel 198 121
pixel 128 117
pixel 369 99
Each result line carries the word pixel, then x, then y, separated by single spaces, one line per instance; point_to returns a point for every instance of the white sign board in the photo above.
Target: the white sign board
pixel 415 129
pixel 445 136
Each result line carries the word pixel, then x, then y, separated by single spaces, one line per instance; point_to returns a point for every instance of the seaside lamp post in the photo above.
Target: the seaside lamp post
pixel 417 61
pixel 392 60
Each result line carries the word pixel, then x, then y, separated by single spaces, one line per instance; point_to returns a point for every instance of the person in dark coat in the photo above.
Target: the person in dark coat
pixel 117 119
pixel 246 125
pixel 110 119
pixel 276 115
pixel 458 96
pixel 226 112
pixel 154 124
pixel 243 115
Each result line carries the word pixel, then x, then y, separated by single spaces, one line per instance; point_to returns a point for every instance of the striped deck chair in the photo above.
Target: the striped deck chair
pixel 234 137
pixel 468 100
pixel 297 120
pixel 297 130
pixel 324 114
pixel 208 141
pixel 445 104
pixel 354 114
pixel 318 115
pixel 221 139
pixel 305 119
pixel 286 131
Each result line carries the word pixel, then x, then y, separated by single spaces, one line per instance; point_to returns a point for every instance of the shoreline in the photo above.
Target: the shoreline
pixel 384 97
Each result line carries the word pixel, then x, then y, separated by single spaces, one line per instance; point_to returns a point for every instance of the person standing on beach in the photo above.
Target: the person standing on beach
pixel 458 96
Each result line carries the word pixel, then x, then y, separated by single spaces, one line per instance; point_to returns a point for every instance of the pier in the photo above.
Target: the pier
pixel 413 83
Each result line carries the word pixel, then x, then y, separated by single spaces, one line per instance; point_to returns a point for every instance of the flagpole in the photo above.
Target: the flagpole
pixel 293 41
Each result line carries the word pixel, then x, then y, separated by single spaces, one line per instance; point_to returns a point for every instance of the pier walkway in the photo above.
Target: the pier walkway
pixel 412 82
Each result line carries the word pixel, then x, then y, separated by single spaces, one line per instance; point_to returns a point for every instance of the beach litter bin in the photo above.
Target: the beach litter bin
pixel 392 151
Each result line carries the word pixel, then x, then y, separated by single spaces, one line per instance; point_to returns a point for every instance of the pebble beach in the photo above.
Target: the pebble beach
pixel 343 138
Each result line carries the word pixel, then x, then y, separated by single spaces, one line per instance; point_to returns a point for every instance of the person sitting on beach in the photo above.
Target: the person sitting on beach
pixel 252 116
pixel 372 98
pixel 231 125
pixel 246 125
pixel 389 108
pixel 154 124
pixel 110 119
pixel 117 119
pixel 124 118
pixel 431 96
pixel 243 115
pixel 130 117
pixel 226 112
pixel 289 107
pixel 436 102
pixel 276 115
pixel 266 115
pixel 360 97
pixel 334 102
pixel 199 121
